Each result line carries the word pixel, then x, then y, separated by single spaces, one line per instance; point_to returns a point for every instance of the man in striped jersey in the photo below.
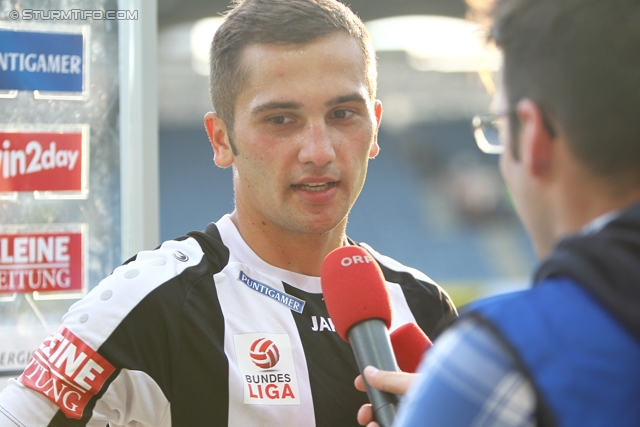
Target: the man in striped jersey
pixel 228 326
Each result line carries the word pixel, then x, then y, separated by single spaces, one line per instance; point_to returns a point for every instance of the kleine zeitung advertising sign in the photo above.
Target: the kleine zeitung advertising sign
pixel 41 261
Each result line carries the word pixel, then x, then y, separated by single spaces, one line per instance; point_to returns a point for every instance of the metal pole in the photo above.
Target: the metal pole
pixel 139 174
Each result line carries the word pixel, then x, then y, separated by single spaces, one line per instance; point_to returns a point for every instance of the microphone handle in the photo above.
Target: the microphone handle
pixel 371 346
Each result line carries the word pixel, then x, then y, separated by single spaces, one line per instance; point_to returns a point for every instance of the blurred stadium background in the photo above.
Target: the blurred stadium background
pixel 432 200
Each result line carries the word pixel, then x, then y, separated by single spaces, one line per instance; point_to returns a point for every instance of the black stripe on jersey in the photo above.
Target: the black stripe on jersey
pixel 59 420
pixel 331 365
pixel 201 379
pixel 427 302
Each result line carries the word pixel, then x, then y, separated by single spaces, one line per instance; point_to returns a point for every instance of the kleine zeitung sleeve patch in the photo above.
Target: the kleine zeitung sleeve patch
pixel 67 371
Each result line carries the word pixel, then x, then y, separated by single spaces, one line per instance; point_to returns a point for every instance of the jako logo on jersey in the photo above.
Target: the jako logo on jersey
pixel 267 369
pixel 322 325
pixel 356 259
pixel 67 371
pixel 264 353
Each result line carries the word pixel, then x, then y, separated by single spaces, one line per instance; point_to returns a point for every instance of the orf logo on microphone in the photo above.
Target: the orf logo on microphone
pixel 264 353
pixel 355 259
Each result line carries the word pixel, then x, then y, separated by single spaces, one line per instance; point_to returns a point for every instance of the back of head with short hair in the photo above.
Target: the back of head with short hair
pixel 580 61
pixel 280 22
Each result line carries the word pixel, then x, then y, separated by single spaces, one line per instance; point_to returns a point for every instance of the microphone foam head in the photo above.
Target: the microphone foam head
pixel 409 343
pixel 354 289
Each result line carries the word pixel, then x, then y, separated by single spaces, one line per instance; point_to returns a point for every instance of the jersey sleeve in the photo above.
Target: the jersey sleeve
pixel 111 358
pixel 469 378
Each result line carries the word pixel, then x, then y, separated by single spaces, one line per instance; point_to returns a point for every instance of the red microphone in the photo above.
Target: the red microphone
pixel 409 344
pixel 358 302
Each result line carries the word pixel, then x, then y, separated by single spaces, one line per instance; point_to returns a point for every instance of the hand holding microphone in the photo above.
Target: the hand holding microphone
pixel 359 305
pixel 409 345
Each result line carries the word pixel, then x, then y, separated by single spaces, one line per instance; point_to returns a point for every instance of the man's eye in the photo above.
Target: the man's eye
pixel 280 120
pixel 342 114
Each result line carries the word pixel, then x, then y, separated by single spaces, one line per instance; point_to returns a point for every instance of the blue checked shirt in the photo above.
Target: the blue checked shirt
pixel 468 379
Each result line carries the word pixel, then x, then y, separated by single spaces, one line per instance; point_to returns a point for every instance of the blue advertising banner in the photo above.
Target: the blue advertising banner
pixel 43 61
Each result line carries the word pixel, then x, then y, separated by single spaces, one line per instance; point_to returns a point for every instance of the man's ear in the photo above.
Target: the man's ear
pixel 375 148
pixel 219 138
pixel 536 143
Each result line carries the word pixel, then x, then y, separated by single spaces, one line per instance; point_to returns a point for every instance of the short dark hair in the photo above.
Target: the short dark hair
pixel 580 61
pixel 280 22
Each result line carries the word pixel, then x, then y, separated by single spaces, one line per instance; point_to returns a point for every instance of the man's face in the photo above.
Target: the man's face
pixel 304 128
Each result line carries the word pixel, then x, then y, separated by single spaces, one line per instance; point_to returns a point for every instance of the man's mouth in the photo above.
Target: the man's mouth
pixel 316 186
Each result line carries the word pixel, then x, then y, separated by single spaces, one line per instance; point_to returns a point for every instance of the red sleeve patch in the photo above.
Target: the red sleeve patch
pixel 67 371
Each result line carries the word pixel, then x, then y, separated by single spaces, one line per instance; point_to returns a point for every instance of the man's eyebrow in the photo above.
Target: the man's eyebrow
pixel 284 105
pixel 345 98
pixel 276 105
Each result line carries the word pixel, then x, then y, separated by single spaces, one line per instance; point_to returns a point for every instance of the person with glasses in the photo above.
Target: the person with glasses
pixel 565 352
pixel 228 326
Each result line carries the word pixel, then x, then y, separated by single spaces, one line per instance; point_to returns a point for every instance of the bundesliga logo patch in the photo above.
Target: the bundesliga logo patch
pixel 268 372
pixel 66 371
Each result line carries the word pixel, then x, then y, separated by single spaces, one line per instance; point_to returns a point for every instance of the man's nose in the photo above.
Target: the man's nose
pixel 317 144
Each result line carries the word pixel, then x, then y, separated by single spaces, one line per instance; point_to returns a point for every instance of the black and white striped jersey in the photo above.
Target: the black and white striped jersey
pixel 202 332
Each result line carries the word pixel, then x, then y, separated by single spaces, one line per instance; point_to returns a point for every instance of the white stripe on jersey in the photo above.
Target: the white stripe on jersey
pixel 401 314
pixel 146 402
pixel 245 308
pixel 247 312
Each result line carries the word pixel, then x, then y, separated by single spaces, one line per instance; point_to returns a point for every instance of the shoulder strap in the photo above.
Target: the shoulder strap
pixel 544 416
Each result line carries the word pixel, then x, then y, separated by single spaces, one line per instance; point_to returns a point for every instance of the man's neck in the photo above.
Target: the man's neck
pixel 585 201
pixel 301 253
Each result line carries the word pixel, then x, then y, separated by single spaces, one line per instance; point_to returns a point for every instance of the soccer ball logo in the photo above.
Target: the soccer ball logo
pixel 264 353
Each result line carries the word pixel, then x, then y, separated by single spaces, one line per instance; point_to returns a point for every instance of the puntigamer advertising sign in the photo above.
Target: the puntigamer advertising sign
pixel 43 61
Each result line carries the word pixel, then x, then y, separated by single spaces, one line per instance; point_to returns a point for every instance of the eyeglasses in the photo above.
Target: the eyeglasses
pixel 485 131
